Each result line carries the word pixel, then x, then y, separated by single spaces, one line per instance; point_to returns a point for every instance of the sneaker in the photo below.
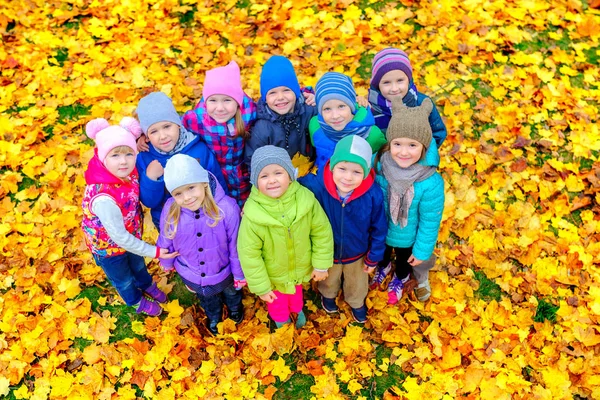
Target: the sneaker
pixel 237 316
pixel 380 275
pixel 423 291
pixel 212 326
pixel 396 289
pixel 148 307
pixel 360 314
pixel 329 305
pixel 156 294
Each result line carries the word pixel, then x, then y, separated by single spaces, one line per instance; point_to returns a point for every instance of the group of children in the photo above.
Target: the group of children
pixel 231 210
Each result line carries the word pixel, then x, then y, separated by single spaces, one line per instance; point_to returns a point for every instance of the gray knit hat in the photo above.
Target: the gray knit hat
pixel 268 155
pixel 156 107
pixel 410 122
pixel 182 170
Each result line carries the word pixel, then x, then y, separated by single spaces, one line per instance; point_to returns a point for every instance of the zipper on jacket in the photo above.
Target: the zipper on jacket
pixel 342 232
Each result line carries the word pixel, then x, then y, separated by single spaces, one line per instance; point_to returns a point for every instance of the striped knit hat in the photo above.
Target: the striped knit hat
pixel 388 60
pixel 335 86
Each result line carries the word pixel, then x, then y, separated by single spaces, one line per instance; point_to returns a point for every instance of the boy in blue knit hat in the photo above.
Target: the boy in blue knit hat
pixel 340 116
pixel 283 112
pixel 353 202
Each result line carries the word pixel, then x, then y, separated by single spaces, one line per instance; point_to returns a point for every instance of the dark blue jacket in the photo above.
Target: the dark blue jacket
pixel 359 225
pixel 153 194
pixel 268 129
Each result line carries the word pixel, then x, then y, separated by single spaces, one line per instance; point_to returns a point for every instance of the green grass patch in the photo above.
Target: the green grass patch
pixel 186 19
pixel 546 311
pixel 81 343
pixel 18 109
pixel 180 292
pixel 376 5
pixel 593 55
pixel 61 55
pixel 72 112
pixel 243 4
pixel 488 290
pixel 364 68
pixel 380 384
pixel 296 387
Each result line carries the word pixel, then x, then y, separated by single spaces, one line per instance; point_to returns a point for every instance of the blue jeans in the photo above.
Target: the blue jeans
pixel 128 274
pixel 213 305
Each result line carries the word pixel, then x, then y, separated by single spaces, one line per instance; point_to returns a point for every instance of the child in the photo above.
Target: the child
pixel 163 128
pixel 339 116
pixel 283 114
pixel 414 197
pixel 201 223
pixel 354 204
pixel 392 77
pixel 285 238
pixel 222 119
pixel 112 216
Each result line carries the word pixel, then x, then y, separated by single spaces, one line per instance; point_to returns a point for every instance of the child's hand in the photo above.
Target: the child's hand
pixel 309 99
pixel 142 143
pixel 413 261
pixel 319 275
pixel 362 101
pixel 239 283
pixel 154 170
pixel 368 269
pixel 164 253
pixel 269 297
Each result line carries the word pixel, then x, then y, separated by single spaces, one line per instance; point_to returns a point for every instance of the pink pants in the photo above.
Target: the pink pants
pixel 285 304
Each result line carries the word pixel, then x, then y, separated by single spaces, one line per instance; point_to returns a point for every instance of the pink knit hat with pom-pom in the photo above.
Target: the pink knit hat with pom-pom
pixel 109 136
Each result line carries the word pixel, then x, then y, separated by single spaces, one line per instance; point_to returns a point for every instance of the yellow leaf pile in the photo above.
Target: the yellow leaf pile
pixel 517 84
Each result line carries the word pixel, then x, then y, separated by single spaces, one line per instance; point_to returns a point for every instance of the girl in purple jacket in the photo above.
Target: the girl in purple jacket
pixel 201 223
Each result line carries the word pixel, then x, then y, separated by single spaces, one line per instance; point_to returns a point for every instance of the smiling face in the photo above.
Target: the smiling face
pixel 120 161
pixel 273 181
pixel 336 114
pixel 405 152
pixel 190 196
pixel 163 135
pixel 221 107
pixel 281 99
pixel 347 176
pixel 394 84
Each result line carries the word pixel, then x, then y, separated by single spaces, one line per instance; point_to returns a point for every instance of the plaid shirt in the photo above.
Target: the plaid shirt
pixel 228 149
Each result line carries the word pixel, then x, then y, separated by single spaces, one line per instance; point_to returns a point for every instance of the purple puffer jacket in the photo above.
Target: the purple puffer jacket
pixel 207 256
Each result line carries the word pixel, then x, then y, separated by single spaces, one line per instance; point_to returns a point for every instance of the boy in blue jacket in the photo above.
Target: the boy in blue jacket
pixel 353 202
pixel 167 136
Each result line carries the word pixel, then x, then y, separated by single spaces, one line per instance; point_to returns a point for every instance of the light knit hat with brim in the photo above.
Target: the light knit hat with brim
pixel 353 149
pixel 268 155
pixel 183 170
pixel 156 107
pixel 410 122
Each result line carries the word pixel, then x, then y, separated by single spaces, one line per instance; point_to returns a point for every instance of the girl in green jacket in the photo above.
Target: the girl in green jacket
pixel 285 238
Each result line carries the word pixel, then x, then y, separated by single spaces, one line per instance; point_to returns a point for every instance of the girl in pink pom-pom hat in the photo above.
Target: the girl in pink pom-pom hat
pixel 112 215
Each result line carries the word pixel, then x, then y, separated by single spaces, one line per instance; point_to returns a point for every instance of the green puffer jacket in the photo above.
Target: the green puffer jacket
pixel 281 240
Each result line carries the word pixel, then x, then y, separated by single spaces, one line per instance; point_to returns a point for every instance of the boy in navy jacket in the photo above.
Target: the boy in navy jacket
pixel 353 202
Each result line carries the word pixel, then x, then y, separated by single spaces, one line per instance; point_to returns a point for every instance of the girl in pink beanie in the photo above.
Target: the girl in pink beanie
pixel 112 216
pixel 222 119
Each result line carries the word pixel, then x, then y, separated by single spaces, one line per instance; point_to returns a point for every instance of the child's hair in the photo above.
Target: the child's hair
pixel 209 207
pixel 240 127
pixel 122 149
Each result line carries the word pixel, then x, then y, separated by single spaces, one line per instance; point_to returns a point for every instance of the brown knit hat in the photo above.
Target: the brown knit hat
pixel 410 122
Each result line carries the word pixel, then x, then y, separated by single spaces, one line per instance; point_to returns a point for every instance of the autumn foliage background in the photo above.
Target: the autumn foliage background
pixel 515 304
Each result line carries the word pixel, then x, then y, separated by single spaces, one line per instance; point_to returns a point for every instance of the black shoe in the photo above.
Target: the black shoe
pixel 212 326
pixel 237 316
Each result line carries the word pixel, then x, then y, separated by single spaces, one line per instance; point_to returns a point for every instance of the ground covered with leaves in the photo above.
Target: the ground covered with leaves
pixel 515 305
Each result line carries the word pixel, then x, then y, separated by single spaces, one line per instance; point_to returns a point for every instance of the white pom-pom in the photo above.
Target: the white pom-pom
pixel 94 126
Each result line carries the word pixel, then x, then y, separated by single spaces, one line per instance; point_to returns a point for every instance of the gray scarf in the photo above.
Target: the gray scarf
pixel 401 190
pixel 185 137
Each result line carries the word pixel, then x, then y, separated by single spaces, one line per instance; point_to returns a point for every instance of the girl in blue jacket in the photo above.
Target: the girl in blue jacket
pixel 414 197
pixel 353 202
pixel 167 136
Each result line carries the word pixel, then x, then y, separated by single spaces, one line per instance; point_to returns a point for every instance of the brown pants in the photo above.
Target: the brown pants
pixel 355 281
